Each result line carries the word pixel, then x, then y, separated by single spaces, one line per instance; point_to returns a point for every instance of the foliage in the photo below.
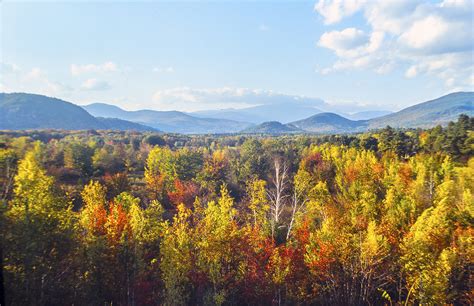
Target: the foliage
pixel 93 218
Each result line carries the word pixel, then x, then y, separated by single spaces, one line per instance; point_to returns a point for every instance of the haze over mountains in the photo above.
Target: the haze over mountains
pixel 283 112
pixel 287 111
pixel 169 121
pixel 30 111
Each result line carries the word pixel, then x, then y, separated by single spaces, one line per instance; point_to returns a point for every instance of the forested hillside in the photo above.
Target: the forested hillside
pixel 29 111
pixel 130 218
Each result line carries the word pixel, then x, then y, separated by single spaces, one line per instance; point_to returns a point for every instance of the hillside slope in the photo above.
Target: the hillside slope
pixel 329 123
pixel 272 127
pixel 30 111
pixel 428 114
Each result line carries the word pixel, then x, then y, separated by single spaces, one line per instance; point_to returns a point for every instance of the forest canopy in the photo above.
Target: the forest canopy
pixel 130 218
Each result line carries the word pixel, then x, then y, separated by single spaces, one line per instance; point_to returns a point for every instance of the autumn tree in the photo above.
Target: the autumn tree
pixel 176 254
pixel 160 172
pixel 39 239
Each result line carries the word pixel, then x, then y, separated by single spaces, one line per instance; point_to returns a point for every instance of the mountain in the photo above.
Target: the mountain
pixel 330 123
pixel 425 115
pixel 168 121
pixel 272 127
pixel 282 112
pixel 428 114
pixel 30 111
pixel 367 115
pixel 124 125
pixel 105 110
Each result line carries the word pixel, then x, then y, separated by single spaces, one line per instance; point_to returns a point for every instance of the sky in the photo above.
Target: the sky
pixel 199 55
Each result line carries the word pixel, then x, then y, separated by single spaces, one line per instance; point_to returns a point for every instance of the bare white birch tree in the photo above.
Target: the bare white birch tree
pixel 298 202
pixel 278 191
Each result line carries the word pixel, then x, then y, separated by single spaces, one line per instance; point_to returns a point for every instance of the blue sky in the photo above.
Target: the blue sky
pixel 207 55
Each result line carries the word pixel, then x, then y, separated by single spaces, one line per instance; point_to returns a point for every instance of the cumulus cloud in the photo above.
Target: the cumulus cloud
pixel 428 38
pixel 192 99
pixel 95 84
pixel 351 42
pixel 335 11
pixel 93 68
pixel 36 79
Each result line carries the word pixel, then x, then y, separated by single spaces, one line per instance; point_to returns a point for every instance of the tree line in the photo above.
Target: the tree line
pixel 103 217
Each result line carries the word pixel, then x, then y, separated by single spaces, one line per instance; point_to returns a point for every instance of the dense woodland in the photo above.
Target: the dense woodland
pixel 125 218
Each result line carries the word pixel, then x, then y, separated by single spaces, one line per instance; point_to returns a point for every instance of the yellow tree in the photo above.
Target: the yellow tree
pixel 216 242
pixel 94 211
pixel 176 258
pixel 39 237
pixel 96 267
pixel 427 257
pixel 160 171
pixel 214 172
pixel 258 202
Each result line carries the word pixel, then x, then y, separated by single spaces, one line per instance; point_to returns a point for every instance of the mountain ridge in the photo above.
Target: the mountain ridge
pixel 427 114
pixel 168 121
pixel 31 111
pixel 329 123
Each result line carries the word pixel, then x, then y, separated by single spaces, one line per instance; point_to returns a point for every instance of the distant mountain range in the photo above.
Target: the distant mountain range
pixel 30 111
pixel 367 115
pixel 282 112
pixel 428 114
pixel 286 111
pixel 168 121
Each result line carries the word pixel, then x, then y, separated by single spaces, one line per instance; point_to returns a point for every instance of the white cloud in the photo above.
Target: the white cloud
pixel 435 34
pixel 342 42
pixel 192 99
pixel 93 68
pixel 335 11
pixel 168 69
pixel 421 35
pixel 95 84
pixel 391 16
pixel 37 80
pixel 430 38
pixel 351 42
